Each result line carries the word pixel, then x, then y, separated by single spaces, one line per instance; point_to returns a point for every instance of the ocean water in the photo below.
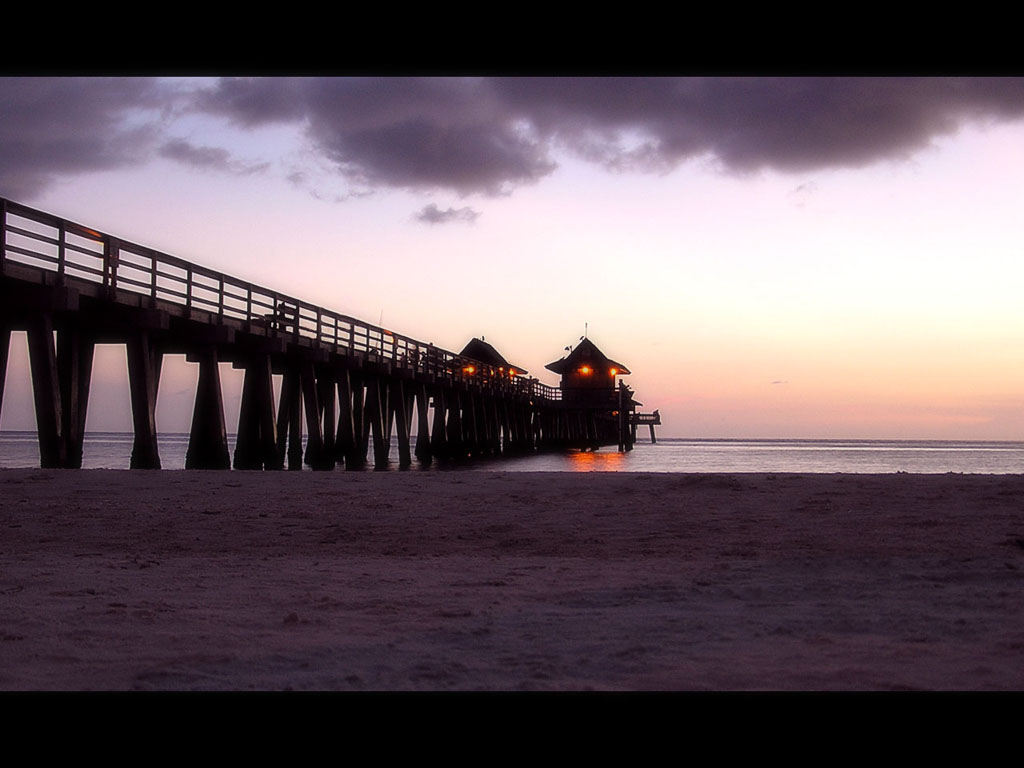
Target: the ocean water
pixel 112 450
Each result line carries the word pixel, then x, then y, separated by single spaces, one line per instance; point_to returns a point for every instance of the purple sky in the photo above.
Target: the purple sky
pixel 772 257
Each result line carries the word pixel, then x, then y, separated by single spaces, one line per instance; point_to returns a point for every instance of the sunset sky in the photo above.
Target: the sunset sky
pixel 791 257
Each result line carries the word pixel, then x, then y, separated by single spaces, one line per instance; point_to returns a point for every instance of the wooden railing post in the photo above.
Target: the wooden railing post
pixel 61 251
pixel 3 234
pixel 188 287
pixel 110 262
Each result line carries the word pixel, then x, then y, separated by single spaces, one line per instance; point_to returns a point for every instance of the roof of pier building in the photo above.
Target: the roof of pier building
pixel 584 358
pixel 478 349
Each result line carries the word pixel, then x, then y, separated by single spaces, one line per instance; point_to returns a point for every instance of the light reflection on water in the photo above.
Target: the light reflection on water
pixel 108 450
pixel 607 460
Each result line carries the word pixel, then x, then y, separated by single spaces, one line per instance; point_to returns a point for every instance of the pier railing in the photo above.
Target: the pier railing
pixel 43 242
pixel 646 418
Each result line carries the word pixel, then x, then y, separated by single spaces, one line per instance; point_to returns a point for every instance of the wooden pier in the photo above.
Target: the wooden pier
pixel 346 385
pixel 650 419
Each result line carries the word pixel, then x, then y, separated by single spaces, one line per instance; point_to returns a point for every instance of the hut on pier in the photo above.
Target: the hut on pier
pixel 586 370
pixel 596 396
pixel 482 352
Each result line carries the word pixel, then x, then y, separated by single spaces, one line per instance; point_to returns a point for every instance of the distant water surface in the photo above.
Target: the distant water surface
pixel 112 450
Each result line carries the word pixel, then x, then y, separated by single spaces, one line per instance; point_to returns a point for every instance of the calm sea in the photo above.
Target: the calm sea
pixel 112 450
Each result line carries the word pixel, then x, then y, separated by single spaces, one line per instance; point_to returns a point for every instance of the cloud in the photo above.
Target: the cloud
pixel 803 192
pixel 418 133
pixel 431 214
pixel 789 124
pixel 53 127
pixel 213 158
pixel 491 135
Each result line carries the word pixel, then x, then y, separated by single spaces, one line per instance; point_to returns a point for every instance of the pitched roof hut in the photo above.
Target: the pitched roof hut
pixel 587 367
pixel 481 351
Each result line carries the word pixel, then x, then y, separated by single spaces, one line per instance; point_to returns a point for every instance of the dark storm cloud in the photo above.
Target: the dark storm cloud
pixel 51 127
pixel 399 132
pixel 255 101
pixel 484 135
pixel 489 135
pixel 431 214
pixel 789 124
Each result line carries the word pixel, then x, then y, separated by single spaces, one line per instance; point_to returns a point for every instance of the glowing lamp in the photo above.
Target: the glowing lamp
pixel 585 370
pixel 469 369
pixel 613 371
pixel 511 371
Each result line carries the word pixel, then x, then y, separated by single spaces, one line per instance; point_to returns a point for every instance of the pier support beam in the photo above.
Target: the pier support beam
pixel 326 397
pixel 5 350
pixel 46 392
pixel 377 411
pixel 471 431
pixel 61 376
pixel 144 365
pixel 401 406
pixel 439 429
pixel 456 448
pixel 423 452
pixel 506 427
pixel 356 459
pixel 208 440
pixel 256 446
pixel 345 444
pixel 289 420
pixel 495 425
pixel 316 454
pixel 74 368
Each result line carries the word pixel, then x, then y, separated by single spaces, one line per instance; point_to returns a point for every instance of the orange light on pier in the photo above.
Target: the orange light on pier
pixel 585 370
pixel 469 369
pixel 613 371
pixel 512 372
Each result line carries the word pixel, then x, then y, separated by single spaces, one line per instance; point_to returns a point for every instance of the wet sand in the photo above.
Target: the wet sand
pixel 390 581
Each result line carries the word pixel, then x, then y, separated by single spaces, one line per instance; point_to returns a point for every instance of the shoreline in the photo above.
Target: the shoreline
pixel 402 581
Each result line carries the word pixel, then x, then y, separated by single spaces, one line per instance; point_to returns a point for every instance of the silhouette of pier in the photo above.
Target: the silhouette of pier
pixel 346 384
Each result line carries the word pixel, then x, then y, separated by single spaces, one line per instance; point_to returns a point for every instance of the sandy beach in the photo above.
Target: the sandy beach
pixel 391 581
